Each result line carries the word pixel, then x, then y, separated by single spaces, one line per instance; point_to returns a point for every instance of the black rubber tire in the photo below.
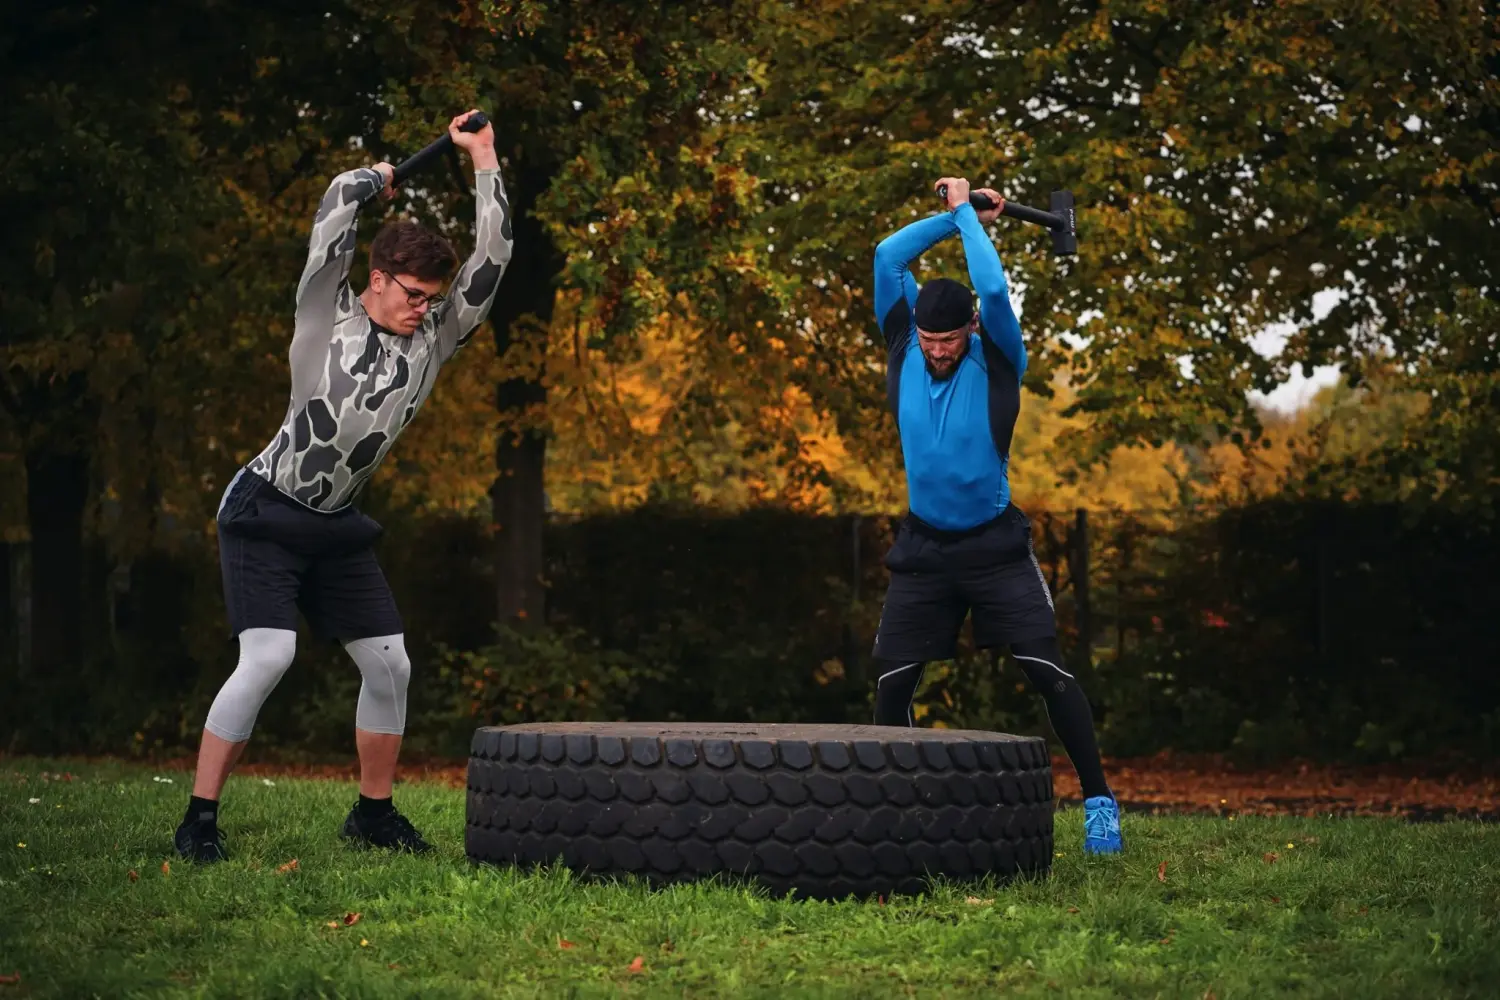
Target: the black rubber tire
pixel 826 811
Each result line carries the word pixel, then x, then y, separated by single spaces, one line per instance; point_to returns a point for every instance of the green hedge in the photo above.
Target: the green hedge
pixel 1271 630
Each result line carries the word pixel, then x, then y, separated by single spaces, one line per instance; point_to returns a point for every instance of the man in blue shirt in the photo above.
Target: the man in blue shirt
pixel 963 545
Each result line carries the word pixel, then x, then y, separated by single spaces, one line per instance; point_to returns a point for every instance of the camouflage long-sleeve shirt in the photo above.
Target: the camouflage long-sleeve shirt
pixel 355 387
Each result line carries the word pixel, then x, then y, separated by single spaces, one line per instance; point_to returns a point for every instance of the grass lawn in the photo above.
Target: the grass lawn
pixel 1243 908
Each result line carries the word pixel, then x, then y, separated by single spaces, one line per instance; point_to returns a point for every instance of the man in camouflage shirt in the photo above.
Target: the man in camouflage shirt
pixel 290 537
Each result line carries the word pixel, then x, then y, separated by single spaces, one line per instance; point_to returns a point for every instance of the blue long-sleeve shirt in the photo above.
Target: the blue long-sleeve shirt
pixel 955 432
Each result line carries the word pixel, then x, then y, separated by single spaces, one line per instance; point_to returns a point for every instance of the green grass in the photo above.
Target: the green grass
pixel 1356 908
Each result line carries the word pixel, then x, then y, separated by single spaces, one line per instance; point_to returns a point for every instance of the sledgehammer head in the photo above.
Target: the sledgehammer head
pixel 1065 236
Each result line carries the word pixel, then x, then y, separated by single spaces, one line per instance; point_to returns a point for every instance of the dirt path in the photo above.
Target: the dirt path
pixel 1208 784
pixel 1165 783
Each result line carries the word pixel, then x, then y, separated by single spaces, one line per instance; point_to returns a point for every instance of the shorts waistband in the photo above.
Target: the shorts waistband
pixel 249 485
pixel 921 527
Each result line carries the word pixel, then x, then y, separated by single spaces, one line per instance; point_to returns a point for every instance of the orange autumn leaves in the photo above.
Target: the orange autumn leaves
pixel 724 427
pixel 637 965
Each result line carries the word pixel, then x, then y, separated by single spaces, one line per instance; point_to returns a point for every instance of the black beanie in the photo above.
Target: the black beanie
pixel 944 304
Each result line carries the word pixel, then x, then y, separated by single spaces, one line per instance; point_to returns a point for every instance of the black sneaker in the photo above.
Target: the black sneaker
pixel 200 840
pixel 391 830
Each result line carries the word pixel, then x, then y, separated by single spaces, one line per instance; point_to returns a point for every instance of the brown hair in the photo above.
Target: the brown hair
pixel 404 247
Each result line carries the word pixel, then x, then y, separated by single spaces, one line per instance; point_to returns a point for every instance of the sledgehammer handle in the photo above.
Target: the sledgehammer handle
pixel 1013 209
pixel 435 149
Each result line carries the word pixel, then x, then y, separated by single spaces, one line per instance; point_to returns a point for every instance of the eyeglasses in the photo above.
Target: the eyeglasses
pixel 415 297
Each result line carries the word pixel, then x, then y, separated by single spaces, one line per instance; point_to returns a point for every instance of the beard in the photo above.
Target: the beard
pixel 942 371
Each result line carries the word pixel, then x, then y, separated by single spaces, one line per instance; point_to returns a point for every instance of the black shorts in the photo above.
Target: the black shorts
pixel 937 577
pixel 279 556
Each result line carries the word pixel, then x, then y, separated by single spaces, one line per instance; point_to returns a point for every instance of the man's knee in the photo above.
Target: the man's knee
pixel 382 660
pixel 265 655
pixel 386 671
pixel 1042 662
pixel 268 651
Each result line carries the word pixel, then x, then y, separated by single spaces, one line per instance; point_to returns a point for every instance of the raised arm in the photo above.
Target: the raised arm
pixel 893 281
pixel 330 251
pixel 988 278
pixel 473 292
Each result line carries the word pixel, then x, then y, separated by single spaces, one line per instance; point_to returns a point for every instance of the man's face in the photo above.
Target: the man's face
pixel 404 300
pixel 943 351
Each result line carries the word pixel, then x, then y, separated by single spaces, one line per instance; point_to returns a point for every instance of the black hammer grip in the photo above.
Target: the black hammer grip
pixel 435 149
pixel 1028 214
pixel 1016 211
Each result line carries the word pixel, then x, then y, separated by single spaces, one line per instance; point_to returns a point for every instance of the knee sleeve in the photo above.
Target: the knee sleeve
pixel 265 655
pixel 894 691
pixel 383 664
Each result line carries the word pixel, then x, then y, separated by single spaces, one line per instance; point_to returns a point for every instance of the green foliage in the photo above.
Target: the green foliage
pixel 535 675
pixel 732 166
pixel 1229 164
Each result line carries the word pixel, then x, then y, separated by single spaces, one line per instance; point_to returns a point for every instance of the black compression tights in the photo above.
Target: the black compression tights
pixel 1041 660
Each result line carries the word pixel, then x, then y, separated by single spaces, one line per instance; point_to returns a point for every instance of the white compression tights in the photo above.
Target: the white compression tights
pixel 265 655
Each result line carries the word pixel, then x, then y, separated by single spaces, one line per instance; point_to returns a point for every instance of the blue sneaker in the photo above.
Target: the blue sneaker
pixel 1101 826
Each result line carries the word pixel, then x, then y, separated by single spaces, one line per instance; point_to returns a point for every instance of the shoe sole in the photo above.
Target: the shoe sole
pixel 366 845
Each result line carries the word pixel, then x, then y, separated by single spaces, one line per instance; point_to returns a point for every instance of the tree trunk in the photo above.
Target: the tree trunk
pixel 57 487
pixel 518 497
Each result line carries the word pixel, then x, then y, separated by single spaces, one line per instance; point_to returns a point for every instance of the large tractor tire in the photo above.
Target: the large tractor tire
pixel 823 811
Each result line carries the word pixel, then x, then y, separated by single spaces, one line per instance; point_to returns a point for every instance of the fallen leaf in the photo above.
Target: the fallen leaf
pixel 638 965
pixel 1168 938
pixel 133 876
pixel 290 866
pixel 1072 909
pixel 565 943
pixel 1275 899
pixel 166 867
pixel 333 923
pixel 11 980
pixel 350 919
pixel 976 901
pixel 1161 872
pixel 1309 840
pixel 394 965
pixel 1269 857
pixel 1364 910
